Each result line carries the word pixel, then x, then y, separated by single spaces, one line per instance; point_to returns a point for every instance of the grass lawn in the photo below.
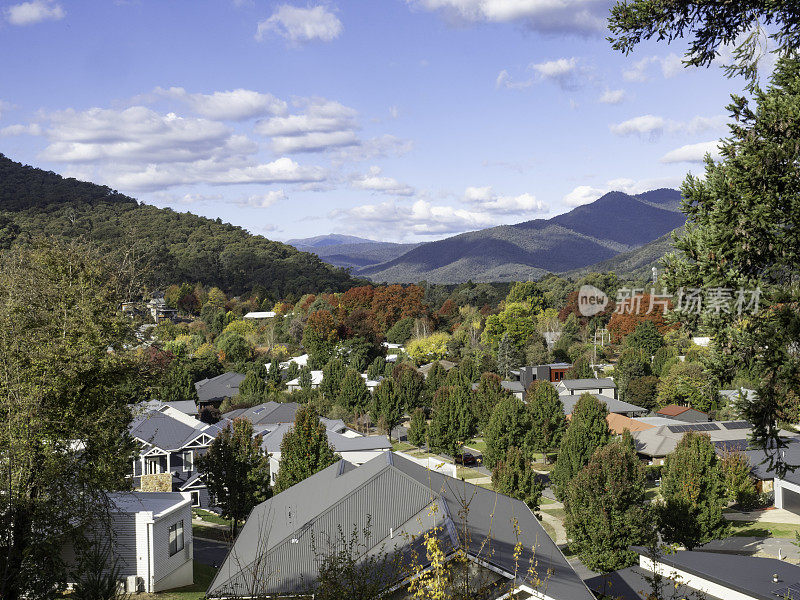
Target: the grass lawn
pixel 402 446
pixel 762 529
pixel 212 533
pixel 478 445
pixel 549 529
pixel 468 473
pixel 207 515
pixel 652 493
pixel 558 513
pixel 203 574
pixel 545 501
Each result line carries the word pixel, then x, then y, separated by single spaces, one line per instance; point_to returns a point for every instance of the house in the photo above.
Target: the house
pixel 159 310
pixel 618 423
pixel 575 387
pixel 260 315
pixel 151 539
pixel 683 413
pixel 711 575
pixel 316 380
pixel 446 365
pixel 267 413
pixel 653 445
pixel 170 443
pixel 614 406
pixel 553 372
pixel 187 407
pixel 349 444
pixel 212 392
pixel 395 500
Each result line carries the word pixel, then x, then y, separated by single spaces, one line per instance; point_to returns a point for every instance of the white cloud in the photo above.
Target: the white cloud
pixel 484 199
pixel 322 125
pixel 586 194
pixel 481 207
pixel 264 200
pixel 233 105
pixel 565 16
pixel 505 80
pixel 652 126
pixel 35 11
pixel 301 24
pixel 11 130
pixel 140 149
pixel 612 97
pixel 645 125
pixel 671 65
pixel 369 149
pixel 376 182
pixel 692 153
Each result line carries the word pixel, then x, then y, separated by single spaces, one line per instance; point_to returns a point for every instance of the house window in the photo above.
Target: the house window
pixel 188 461
pixel 195 498
pixel 176 538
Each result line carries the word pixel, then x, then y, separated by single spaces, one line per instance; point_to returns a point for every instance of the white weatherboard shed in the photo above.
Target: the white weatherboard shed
pixel 153 539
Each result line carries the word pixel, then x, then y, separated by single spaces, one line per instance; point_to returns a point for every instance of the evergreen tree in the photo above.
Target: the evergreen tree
pixel 489 393
pixel 436 378
pixel 274 376
pixel 645 337
pixel 304 450
pixel 738 479
pixel 605 508
pixel 305 379
pixel 514 476
pixel 509 425
pixel 418 430
pixel 353 393
pixel 252 389
pixel 332 375
pixel 387 407
pixel 693 493
pixel 587 431
pixel 236 471
pixel 547 418
pixel 376 368
pixel 408 385
pixel 506 357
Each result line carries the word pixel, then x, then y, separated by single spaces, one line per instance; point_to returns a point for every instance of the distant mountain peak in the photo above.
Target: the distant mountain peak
pixel 331 239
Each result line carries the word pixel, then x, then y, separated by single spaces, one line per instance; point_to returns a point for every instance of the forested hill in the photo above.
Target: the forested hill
pixel 176 246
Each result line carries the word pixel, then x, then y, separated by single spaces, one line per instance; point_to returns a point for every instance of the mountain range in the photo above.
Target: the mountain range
pixel 621 231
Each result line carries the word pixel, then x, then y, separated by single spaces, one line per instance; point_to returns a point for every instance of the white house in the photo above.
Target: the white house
pixel 151 540
pixel 260 315
pixel 316 379
pixel 602 386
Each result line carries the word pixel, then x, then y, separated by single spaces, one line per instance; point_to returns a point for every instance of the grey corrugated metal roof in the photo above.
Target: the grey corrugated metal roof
pixel 632 584
pixel 394 495
pixel 162 431
pixel 750 575
pixel 340 443
pixel 588 384
pixel 267 413
pixel 613 405
pixel 218 388
pixel 155 502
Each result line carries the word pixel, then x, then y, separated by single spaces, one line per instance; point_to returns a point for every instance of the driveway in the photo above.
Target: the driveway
pixel 210 553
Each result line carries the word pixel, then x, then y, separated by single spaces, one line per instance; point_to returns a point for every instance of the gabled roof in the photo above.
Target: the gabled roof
pixel 340 443
pixel 397 498
pixel 588 384
pixel 167 433
pixel 158 503
pixel 619 423
pixel 673 410
pixel 266 413
pixel 218 388
pixel 613 405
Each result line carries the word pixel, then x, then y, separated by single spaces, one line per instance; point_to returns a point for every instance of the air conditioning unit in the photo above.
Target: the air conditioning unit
pixel 133 584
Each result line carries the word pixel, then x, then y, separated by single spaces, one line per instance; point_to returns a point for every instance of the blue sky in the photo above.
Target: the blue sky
pixel 397 120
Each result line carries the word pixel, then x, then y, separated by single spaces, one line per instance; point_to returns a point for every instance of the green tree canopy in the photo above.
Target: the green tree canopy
pixel 514 476
pixel 304 450
pixel 693 493
pixel 547 417
pixel 353 393
pixel 387 405
pixel 587 431
pixel 509 425
pixel 605 507
pixel 236 469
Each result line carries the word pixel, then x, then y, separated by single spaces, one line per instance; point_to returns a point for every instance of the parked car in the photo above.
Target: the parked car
pixel 466 459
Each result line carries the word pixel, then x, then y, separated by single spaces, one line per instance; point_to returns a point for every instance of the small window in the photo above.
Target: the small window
pixel 176 538
pixel 195 498
pixel 188 461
